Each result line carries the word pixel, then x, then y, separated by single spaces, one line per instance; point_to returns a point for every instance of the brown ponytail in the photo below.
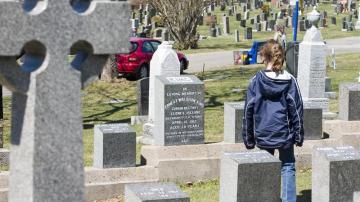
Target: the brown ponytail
pixel 272 52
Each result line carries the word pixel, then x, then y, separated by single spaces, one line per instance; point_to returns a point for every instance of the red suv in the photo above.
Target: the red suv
pixel 137 61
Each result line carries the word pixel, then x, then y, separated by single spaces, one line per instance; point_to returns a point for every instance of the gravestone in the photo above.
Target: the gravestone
pixel 357 25
pixel 313 123
pixel 213 32
pixel 349 101
pixel 114 146
pixel 226 25
pixel 243 23
pixel 154 192
pixel 252 21
pixel 311 78
pixel 264 25
pixel 242 173
pixel 218 31
pixel 179 110
pixel 327 84
pixel 238 16
pixel 164 62
pixel 335 174
pixel 248 33
pixel 237 36
pixel 356 196
pixel 46 136
pixel 233 114
pixel 143 96
pixel 271 25
pixel 333 20
pixel 257 27
pixel 247 15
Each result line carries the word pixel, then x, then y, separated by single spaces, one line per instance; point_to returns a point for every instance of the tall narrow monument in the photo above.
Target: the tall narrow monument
pixel 312 67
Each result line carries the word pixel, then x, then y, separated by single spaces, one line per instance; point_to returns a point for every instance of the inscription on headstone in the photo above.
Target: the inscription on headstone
pixel 180 110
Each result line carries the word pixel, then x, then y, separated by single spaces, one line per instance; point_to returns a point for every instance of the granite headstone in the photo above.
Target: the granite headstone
pixel 349 101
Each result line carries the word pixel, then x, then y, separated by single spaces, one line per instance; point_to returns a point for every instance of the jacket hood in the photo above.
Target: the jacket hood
pixel 273 85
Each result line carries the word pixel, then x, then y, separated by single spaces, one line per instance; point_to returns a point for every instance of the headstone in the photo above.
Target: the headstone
pixel 179 110
pixel 335 174
pixel 226 25
pixel 243 23
pixel 252 21
pixel 164 62
pixel 246 15
pixel 158 32
pixel 135 23
pixel 313 123
pixel 218 31
pixel 349 101
pixel 356 196
pixel 238 16
pixel 263 17
pixel 312 57
pixel 327 84
pixel 248 33
pixel 233 114
pixel 201 21
pixel 143 96
pixel 271 25
pixel 302 26
pixel 264 25
pixel 242 173
pixel 46 138
pixel 257 27
pixel 155 192
pixel 333 20
pixel 114 146
pixel 357 25
pixel 213 32
pixel 165 35
pixel 237 36
pixel 322 23
pixel 230 12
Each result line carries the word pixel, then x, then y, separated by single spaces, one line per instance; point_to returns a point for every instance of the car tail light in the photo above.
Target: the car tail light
pixel 132 59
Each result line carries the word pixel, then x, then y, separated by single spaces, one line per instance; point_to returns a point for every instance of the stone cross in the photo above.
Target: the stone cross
pixel 46 135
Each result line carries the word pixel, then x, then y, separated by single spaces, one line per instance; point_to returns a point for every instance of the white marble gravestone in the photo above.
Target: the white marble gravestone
pixel 165 62
pixel 312 67
pixel 357 25
pixel 46 159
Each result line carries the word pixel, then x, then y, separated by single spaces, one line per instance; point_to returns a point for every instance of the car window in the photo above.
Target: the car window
pixel 155 44
pixel 147 48
pixel 133 47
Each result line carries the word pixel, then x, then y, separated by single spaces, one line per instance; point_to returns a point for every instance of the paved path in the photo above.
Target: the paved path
pixel 223 59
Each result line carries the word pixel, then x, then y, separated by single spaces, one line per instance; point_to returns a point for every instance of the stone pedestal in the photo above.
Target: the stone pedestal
pixel 156 192
pixel 114 146
pixel 335 174
pixel 233 115
pixel 349 102
pixel 242 173
pixel 179 110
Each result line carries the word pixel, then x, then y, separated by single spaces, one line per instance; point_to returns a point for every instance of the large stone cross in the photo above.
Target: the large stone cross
pixel 46 160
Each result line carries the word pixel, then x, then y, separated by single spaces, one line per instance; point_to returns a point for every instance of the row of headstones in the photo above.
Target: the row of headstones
pixel 255 176
pixel 349 110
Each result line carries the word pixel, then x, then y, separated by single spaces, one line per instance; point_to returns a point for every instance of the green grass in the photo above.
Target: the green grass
pixel 228 42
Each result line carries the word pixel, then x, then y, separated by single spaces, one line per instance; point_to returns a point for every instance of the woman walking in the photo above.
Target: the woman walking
pixel 273 115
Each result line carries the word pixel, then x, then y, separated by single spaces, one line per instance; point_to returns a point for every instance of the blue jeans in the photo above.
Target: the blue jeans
pixel 288 178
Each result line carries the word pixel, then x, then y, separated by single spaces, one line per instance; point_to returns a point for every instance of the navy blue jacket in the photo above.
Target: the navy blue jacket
pixel 273 113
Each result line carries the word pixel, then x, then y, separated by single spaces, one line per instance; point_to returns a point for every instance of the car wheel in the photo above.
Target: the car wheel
pixel 182 66
pixel 143 72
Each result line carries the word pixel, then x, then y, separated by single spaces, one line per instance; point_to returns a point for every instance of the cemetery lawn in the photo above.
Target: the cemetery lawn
pixel 228 42
pixel 116 101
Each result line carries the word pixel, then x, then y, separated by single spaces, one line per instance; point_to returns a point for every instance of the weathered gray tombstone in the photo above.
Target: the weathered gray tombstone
pixel 143 96
pixel 302 26
pixel 357 25
pixel 335 174
pixel 349 101
pixel 242 173
pixel 248 33
pixel 238 17
pixel 114 146
pixel 179 110
pixel 264 25
pixel 46 144
pixel 312 58
pixel 237 36
pixel 243 23
pixel 226 25
pixel 333 20
pixel 246 15
pixel 4 157
pixel 233 114
pixel 155 192
pixel 313 123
